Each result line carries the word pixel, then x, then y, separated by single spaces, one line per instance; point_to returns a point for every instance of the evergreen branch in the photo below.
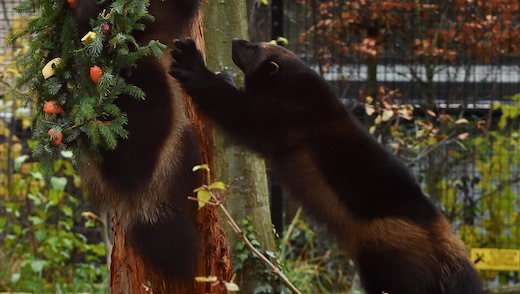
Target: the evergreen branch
pixel 91 120
pixel 135 92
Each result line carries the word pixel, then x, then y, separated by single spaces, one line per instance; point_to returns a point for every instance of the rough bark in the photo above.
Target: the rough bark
pixel 127 271
pixel 246 172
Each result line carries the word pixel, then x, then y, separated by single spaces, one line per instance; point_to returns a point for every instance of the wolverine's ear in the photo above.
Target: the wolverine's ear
pixel 274 67
pixel 269 67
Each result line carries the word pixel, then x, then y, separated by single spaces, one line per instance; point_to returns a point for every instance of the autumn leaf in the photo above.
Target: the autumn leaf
pixel 378 120
pixel 463 136
pixel 425 124
pixel 445 118
pixel 232 287
pixel 201 167
pixel 387 115
pixel 461 121
pixel 369 109
pixel 217 186
pixel 203 196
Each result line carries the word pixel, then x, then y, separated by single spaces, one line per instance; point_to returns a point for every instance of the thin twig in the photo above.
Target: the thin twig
pixel 236 228
pixel 448 140
pixel 291 226
pixel 276 270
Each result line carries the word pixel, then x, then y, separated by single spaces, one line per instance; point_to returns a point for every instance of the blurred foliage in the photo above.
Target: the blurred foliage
pixel 42 249
pixel 428 37
pixel 244 258
pixel 312 259
pixel 434 31
pixel 308 258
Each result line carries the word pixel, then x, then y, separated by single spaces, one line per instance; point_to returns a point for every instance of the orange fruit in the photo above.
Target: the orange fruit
pixel 58 136
pixel 72 3
pixel 95 74
pixel 51 107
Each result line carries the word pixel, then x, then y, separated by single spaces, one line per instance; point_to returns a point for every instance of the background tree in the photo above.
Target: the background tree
pixel 242 169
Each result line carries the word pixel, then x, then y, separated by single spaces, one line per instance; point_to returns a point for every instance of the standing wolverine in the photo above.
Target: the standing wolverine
pixel 147 179
pixel 399 241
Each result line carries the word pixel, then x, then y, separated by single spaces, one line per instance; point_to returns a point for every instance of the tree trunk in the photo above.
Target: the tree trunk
pixel 248 197
pixel 128 273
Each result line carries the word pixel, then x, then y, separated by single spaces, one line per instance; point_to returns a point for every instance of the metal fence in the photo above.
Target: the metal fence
pixel 467 79
pixel 9 21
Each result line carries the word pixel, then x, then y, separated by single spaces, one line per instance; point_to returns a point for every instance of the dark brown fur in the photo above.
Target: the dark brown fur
pixel 148 178
pixel 399 241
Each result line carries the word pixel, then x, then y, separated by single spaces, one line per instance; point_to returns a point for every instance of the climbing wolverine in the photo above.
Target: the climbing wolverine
pixel 399 241
pixel 147 179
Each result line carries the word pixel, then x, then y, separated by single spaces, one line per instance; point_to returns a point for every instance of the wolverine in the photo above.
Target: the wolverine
pixel 147 178
pixel 399 241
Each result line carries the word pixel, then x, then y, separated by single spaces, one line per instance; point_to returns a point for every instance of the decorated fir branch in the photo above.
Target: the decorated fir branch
pixel 75 80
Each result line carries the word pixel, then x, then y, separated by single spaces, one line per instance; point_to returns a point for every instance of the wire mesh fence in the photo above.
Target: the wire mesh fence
pixel 9 21
pixel 339 47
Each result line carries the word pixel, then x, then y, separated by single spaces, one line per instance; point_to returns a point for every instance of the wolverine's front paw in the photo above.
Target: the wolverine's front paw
pixel 188 64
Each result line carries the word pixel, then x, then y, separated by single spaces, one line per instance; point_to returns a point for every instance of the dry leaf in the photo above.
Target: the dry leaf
pixel 461 121
pixel 387 115
pixel 463 136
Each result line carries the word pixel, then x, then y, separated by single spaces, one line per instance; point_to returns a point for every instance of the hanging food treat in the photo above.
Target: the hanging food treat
pixel 105 28
pixel 95 74
pixel 55 136
pixel 88 38
pixel 72 3
pixel 50 68
pixel 52 107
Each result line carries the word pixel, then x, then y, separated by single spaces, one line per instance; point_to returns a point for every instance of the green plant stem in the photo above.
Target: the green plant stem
pixel 291 226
